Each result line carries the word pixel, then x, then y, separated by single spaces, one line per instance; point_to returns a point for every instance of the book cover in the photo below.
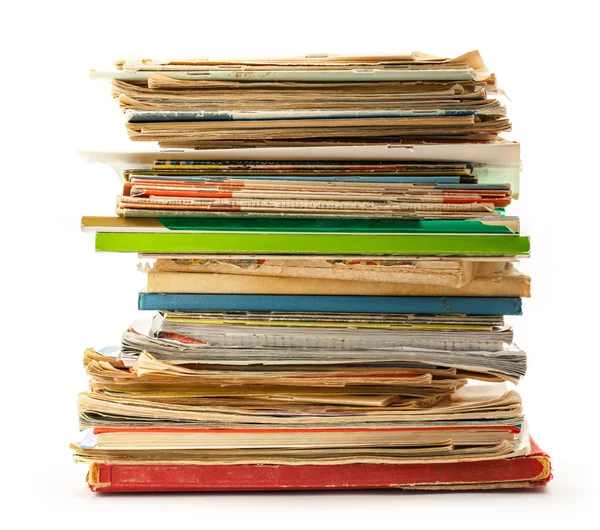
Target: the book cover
pixel 529 471
pixel 502 285
pixel 225 223
pixel 331 303
pixel 298 243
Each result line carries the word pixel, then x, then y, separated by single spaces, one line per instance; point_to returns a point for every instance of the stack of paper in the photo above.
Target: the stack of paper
pixel 330 266
pixel 313 100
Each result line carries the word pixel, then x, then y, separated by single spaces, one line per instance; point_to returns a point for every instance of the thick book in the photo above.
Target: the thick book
pixel 331 303
pixel 321 243
pixel 529 471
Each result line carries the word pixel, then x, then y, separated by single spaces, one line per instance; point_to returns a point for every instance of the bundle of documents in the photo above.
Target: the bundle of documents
pixel 315 100
pixel 310 190
pixel 329 266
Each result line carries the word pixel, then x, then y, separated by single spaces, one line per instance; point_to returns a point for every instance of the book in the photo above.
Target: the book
pixel 314 131
pixel 330 303
pixel 186 115
pixel 493 162
pixel 451 272
pixel 294 76
pixel 320 67
pixel 533 470
pixel 502 154
pixel 224 223
pixel 297 243
pixel 509 283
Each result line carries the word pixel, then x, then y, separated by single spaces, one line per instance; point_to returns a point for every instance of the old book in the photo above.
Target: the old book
pixel 507 283
pixel 529 471
pixel 426 270
pixel 479 305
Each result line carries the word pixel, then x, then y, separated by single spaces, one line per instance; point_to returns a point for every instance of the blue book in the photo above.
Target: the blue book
pixel 330 303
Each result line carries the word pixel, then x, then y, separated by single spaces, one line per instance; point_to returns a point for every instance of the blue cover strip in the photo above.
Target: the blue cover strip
pixel 330 303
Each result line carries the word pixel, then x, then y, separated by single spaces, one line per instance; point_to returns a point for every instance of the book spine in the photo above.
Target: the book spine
pixel 487 225
pixel 360 243
pixel 518 472
pixel 484 225
pixel 330 303
pixel 185 282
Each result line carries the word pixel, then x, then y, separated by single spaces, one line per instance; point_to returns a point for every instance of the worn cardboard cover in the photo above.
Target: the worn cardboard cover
pixel 520 472
pixel 508 283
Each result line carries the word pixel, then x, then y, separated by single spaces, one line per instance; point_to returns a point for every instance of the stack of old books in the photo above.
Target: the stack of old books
pixel 330 265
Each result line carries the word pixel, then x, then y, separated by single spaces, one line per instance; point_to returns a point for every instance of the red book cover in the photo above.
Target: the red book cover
pixel 520 472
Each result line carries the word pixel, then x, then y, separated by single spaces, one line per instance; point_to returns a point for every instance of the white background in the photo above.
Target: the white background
pixel 59 297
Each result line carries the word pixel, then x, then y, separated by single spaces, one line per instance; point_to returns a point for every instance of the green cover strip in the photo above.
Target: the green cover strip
pixel 254 224
pixel 250 243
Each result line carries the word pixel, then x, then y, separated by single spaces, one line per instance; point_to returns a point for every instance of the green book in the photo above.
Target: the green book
pixel 224 223
pixel 488 225
pixel 314 243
